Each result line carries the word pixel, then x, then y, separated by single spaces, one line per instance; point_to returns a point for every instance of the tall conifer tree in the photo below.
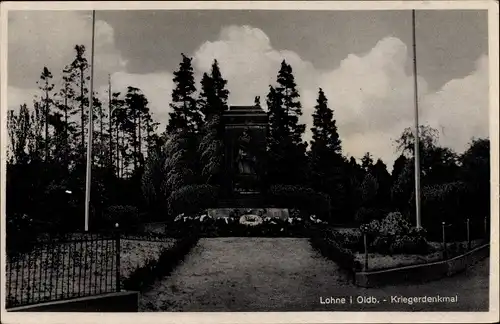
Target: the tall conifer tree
pixel 185 115
pixel 325 156
pixel 212 103
pixel 45 84
pixel 287 163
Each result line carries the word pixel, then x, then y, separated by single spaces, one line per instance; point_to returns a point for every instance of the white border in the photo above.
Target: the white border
pixel 271 317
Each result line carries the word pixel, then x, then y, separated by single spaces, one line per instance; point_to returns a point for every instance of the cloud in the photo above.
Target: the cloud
pixel 460 109
pixel 18 96
pixel 249 62
pixel 372 96
pixel 48 39
pixel 371 93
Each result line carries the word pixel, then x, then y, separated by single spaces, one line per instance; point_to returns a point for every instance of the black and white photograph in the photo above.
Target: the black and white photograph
pixel 253 157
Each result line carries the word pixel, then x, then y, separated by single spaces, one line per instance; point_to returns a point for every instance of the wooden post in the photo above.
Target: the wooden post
pixel 444 240
pixel 118 286
pixel 468 234
pixel 366 251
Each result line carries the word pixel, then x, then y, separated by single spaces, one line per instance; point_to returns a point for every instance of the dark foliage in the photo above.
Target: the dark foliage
pixel 192 199
pixel 127 217
pixel 365 215
pixel 302 198
pixel 186 115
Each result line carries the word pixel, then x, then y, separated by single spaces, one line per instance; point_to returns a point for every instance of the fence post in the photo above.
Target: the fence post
pixel 366 250
pixel 444 241
pixel 118 287
pixel 468 234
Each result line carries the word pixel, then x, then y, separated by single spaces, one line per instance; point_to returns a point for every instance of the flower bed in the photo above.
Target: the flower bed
pixel 75 268
pixel 236 226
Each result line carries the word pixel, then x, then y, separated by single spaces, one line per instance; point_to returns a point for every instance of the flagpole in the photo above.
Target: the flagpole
pixel 417 146
pixel 110 125
pixel 91 129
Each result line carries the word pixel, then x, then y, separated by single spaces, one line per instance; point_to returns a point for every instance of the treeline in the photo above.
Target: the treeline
pixel 47 153
pixel 136 165
pixel 454 186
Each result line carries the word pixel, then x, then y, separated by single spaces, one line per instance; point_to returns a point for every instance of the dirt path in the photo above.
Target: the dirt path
pixel 286 274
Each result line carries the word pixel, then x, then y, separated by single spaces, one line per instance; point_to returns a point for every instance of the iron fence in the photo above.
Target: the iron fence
pixel 76 265
pixel 446 241
pixel 459 237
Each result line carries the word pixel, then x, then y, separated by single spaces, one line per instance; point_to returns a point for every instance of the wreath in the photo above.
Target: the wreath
pixel 250 220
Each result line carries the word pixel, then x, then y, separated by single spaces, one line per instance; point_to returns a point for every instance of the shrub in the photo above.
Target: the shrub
pixel 394 224
pixel 126 216
pixel 192 199
pixel 394 235
pixel 372 228
pixel 21 234
pixel 302 198
pixel 409 245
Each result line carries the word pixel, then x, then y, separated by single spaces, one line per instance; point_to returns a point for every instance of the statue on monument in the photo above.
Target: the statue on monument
pixel 245 160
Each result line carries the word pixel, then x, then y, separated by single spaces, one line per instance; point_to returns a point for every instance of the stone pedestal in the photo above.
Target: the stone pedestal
pixel 245 129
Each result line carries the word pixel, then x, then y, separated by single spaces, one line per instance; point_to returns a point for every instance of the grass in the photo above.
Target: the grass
pixel 286 274
pixel 72 270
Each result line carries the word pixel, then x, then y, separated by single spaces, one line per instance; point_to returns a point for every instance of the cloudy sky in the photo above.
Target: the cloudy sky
pixel 361 59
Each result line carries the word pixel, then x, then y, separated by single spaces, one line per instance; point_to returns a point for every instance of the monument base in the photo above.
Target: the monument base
pixel 243 199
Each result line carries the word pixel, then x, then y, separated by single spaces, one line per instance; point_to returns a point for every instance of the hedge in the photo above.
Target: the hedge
pixel 169 259
pixel 325 242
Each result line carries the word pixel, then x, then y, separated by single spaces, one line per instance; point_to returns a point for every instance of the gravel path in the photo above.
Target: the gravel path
pixel 286 274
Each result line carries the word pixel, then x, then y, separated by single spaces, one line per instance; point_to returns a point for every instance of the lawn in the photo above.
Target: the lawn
pixel 286 274
pixel 225 274
pixel 72 270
